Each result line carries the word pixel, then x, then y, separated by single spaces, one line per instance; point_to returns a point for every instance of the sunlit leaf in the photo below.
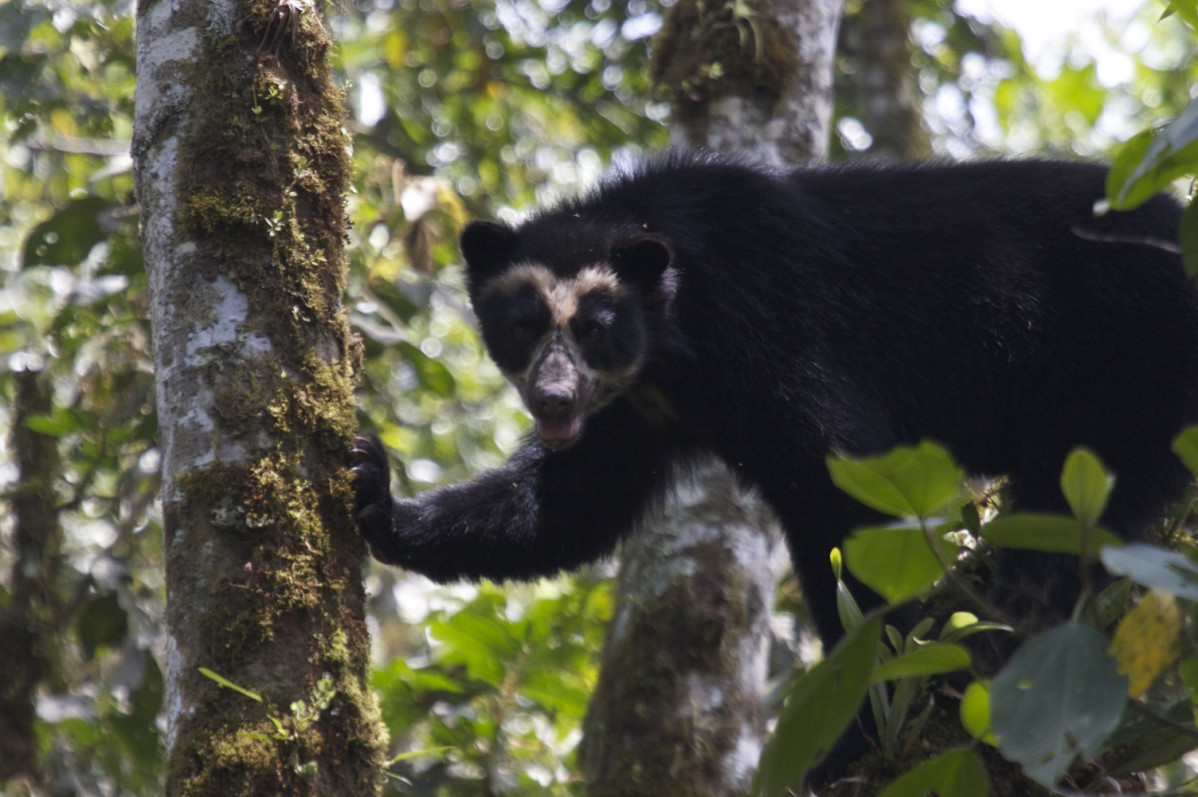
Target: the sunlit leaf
pixel 1150 161
pixel 975 712
pixel 906 482
pixel 896 561
pixel 1086 485
pixel 1148 640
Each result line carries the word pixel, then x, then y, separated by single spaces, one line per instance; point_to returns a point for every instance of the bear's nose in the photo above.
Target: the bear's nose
pixel 553 401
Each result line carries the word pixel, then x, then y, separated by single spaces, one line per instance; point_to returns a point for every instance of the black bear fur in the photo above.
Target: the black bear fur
pixel 771 316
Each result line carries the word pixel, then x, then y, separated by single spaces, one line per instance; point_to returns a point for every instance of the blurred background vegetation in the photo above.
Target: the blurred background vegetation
pixel 457 109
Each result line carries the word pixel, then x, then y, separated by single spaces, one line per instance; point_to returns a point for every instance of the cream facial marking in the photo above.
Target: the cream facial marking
pixel 560 293
pixel 554 366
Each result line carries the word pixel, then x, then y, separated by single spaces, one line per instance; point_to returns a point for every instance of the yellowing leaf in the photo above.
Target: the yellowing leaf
pixel 1147 640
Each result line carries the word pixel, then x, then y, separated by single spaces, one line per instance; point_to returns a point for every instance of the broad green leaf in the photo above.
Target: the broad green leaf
pixel 556 689
pixel 906 482
pixel 1154 566
pixel 1086 486
pixel 1052 533
pixel 933 658
pixel 1185 446
pixel 479 642
pixel 1058 699
pixel 1152 160
pixel 896 561
pixel 1184 9
pixel 820 706
pixel 957 773
pixel 1148 640
pixel 975 712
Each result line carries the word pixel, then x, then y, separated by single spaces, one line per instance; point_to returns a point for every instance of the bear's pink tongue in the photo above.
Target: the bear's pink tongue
pixel 559 430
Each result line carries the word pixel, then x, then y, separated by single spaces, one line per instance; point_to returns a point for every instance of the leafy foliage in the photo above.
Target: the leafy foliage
pixel 1063 698
pixel 463 109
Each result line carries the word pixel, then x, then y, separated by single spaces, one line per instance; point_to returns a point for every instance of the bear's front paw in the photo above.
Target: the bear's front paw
pixel 372 485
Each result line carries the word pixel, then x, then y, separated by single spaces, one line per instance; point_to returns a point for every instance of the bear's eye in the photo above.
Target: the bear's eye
pixel 593 331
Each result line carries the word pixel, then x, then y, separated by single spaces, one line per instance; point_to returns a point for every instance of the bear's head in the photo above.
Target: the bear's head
pixel 568 319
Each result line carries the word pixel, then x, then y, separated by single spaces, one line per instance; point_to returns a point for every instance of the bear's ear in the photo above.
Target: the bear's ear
pixel 642 260
pixel 488 248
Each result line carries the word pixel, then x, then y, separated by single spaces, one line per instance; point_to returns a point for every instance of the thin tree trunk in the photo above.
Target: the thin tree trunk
pixel 679 704
pixel 241 171
pixel 30 620
pixel 879 79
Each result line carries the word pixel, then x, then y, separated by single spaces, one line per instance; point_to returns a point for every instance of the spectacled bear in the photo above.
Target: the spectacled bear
pixel 697 304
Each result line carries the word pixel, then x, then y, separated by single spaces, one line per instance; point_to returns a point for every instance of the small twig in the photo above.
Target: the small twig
pixel 1135 240
pixel 1164 719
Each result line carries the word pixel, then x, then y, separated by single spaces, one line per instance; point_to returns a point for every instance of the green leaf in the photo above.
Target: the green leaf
pixel 1184 9
pixel 557 689
pixel 819 708
pixel 433 374
pixel 60 422
pixel 225 682
pixel 975 712
pixel 1147 751
pixel 1185 446
pixel 1086 486
pixel 1052 533
pixel 963 624
pixel 906 482
pixel 957 773
pixel 1152 160
pixel 66 238
pixel 932 658
pixel 1154 566
pixel 479 642
pixel 1188 670
pixel 1058 698
pixel 896 561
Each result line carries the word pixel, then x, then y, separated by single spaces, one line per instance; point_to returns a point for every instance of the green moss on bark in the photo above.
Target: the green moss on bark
pixel 265 169
pixel 624 731
pixel 709 49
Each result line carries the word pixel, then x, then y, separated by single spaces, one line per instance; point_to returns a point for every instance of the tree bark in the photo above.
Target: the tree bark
pixel 880 82
pixel 241 171
pixel 31 619
pixel 679 708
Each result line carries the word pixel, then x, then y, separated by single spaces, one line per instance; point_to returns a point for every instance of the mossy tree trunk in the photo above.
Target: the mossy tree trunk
pixel 241 171
pixel 679 708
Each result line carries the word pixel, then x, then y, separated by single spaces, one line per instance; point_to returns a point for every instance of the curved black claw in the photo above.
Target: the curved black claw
pixel 372 485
